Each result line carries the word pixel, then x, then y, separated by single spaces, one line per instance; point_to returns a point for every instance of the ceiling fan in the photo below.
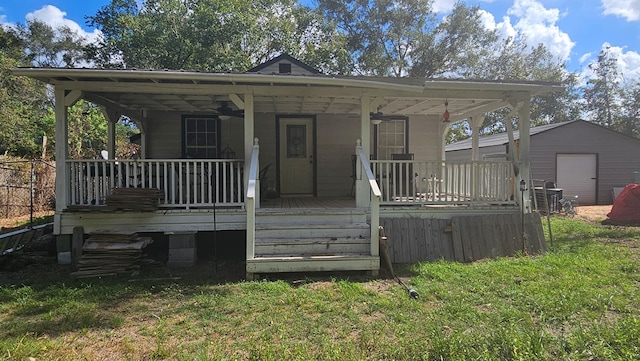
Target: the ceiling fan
pixel 379 117
pixel 224 111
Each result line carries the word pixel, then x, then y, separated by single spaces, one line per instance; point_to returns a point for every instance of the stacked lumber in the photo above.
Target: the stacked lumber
pixel 26 246
pixel 137 199
pixel 111 255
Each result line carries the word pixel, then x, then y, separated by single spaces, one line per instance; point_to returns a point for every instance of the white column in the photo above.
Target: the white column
pixel 475 123
pixel 524 118
pixel 62 152
pixel 249 124
pixel 362 186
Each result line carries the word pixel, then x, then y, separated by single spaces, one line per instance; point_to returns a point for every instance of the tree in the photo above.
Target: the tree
pixel 23 102
pixel 382 35
pixel 459 46
pixel 630 119
pixel 46 46
pixel 212 35
pixel 603 93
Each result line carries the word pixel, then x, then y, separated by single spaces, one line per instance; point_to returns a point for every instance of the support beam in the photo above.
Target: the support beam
pixel 513 155
pixel 112 117
pixel 62 151
pixel 475 123
pixel 235 99
pixel 248 136
pixel 375 103
pixel 524 117
pixel 72 97
pixel 362 186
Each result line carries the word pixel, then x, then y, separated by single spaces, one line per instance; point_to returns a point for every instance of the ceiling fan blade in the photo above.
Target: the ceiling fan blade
pixel 387 117
pixel 225 109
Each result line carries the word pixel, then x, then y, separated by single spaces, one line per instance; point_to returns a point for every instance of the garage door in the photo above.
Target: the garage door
pixel 577 176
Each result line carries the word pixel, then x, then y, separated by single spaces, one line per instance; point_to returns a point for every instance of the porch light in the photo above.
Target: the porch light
pixel 224 117
pixel 376 121
pixel 523 185
pixel 446 115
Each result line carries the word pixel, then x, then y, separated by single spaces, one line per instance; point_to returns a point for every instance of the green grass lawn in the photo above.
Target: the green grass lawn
pixel 579 301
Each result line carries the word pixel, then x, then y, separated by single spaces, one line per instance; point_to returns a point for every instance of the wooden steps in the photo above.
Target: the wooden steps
pixel 312 240
pixel 312 264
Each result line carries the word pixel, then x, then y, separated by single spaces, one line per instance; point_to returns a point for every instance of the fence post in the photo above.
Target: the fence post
pixel 31 190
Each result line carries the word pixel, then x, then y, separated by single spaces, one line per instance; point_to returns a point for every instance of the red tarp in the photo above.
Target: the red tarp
pixel 626 207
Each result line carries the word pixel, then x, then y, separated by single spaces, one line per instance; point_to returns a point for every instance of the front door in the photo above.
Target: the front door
pixel 296 158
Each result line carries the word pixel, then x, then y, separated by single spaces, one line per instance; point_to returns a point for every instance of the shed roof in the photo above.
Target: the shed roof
pixel 503 138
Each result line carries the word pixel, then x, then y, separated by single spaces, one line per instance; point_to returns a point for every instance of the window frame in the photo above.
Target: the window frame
pixel 217 127
pixel 376 138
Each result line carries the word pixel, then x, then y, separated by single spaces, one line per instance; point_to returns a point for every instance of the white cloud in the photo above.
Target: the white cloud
pixel 628 9
pixel 55 18
pixel 628 63
pixel 538 25
pixel 442 6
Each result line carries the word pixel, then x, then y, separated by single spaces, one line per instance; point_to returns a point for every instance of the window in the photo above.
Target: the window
pixel 391 138
pixel 284 68
pixel 296 141
pixel 201 137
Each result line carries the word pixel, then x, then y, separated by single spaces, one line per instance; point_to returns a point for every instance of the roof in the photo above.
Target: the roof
pixel 283 58
pixel 503 138
pixel 134 90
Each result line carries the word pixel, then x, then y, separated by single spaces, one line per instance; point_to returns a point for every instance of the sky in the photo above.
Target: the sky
pixel 573 30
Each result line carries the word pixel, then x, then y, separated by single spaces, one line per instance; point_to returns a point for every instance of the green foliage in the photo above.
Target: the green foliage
pixel 213 35
pixel 578 301
pixel 459 46
pixel 23 103
pixel 46 46
pixel 381 35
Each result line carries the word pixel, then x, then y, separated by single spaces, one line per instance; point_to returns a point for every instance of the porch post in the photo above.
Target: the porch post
pixel 248 138
pixel 62 152
pixel 524 118
pixel 111 138
pixel 475 122
pixel 362 187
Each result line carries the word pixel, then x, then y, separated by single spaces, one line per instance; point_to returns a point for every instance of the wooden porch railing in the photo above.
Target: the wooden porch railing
pixel 472 182
pixel 367 175
pixel 185 183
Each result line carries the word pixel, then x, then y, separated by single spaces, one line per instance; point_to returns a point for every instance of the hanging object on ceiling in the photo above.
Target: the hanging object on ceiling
pixel 225 112
pixel 446 115
pixel 378 117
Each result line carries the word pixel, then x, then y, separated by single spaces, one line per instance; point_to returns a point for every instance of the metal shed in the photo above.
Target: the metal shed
pixel 581 157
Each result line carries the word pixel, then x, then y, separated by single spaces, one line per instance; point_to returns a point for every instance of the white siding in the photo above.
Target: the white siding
pixel 335 143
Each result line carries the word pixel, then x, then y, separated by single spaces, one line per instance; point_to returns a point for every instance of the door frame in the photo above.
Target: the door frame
pixel 314 149
pixel 597 171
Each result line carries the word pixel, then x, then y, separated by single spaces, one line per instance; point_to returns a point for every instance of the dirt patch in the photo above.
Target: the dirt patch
pixel 593 213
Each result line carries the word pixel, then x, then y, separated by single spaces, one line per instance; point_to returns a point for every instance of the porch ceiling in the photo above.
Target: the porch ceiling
pixel 132 91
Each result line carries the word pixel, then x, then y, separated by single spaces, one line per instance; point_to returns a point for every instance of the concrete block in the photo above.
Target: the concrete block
pixel 63 248
pixel 182 250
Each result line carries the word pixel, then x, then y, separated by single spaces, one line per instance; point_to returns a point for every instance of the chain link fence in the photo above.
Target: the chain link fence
pixel 27 187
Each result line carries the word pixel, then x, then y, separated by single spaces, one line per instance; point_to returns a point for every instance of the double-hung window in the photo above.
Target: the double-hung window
pixel 201 137
pixel 390 138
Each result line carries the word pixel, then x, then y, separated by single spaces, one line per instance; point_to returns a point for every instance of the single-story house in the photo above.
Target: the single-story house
pixel 582 158
pixel 310 166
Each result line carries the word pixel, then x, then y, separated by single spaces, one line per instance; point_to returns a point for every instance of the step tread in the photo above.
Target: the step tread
pixel 309 211
pixel 313 257
pixel 350 225
pixel 311 240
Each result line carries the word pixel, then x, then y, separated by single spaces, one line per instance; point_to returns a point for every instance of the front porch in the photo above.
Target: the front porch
pixel 308 124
